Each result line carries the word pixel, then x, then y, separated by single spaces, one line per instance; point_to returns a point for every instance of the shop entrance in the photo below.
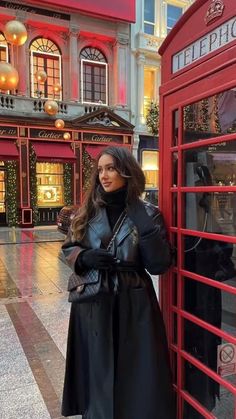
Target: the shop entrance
pixel 198 162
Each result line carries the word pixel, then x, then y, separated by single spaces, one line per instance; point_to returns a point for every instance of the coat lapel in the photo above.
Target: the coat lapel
pixel 124 231
pixel 100 225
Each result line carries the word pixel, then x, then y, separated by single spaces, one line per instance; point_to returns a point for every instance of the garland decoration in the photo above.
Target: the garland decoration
pixel 87 167
pixel 67 179
pixel 11 192
pixel 152 119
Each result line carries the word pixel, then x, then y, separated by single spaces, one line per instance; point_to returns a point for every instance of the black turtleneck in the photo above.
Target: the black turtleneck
pixel 115 203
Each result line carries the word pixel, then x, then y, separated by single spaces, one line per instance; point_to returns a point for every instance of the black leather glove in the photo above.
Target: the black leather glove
pixel 96 259
pixel 138 214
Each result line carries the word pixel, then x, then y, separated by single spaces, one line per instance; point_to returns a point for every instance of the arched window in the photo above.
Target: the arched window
pixel 45 55
pixel 94 82
pixel 4 52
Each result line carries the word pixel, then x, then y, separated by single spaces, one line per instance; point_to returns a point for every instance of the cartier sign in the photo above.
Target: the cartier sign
pixel 103 138
pixel 34 10
pixel 212 41
pixel 8 131
pixel 46 134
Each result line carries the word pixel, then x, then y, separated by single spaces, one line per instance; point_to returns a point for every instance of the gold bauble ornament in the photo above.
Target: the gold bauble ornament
pixel 57 88
pixel 41 76
pixel 51 107
pixel 59 123
pixel 66 136
pixel 15 32
pixel 9 77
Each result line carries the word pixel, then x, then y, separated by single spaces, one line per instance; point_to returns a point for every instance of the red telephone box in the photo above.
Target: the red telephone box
pixel 198 197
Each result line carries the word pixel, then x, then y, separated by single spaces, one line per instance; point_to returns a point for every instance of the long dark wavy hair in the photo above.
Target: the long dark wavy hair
pixel 127 166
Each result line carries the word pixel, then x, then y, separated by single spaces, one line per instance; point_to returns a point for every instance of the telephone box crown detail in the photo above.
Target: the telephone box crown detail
pixel 214 11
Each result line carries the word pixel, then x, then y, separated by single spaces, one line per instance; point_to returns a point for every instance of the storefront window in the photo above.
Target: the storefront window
pixel 150 166
pixel 50 186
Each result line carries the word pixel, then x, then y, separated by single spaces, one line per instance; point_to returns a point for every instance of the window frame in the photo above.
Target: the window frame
pixel 94 63
pixel 178 6
pixel 147 22
pixel 44 55
pixel 5 46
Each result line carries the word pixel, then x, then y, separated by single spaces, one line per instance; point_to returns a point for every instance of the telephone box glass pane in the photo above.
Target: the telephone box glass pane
pixel 175 124
pixel 213 305
pixel 214 164
pixel 208 348
pixel 211 258
pixel 210 117
pixel 213 397
pixel 211 212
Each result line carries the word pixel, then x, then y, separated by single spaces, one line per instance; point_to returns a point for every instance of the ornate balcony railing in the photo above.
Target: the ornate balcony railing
pixel 7 102
pixel 22 106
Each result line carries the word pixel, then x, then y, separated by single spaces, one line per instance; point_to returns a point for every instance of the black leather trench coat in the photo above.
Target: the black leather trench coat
pixel 117 363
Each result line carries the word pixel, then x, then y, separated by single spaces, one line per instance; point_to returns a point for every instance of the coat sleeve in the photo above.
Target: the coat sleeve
pixel 71 251
pixel 155 247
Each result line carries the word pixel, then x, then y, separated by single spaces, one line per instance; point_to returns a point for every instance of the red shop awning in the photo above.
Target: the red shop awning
pixel 94 150
pixel 8 150
pixel 53 152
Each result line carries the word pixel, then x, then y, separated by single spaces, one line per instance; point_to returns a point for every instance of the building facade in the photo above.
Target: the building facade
pixel 154 20
pixel 75 67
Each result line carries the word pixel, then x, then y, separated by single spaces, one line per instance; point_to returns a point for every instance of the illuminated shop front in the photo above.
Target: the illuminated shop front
pixel 50 186
pixel 40 171
pixel 148 156
pixel 150 166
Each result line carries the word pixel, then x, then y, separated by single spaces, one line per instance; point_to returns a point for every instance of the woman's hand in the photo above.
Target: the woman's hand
pixel 80 289
pixel 96 259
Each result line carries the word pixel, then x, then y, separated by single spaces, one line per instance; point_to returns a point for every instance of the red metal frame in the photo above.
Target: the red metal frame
pixel 209 76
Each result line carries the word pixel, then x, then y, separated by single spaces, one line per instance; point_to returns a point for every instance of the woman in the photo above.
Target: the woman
pixel 117 358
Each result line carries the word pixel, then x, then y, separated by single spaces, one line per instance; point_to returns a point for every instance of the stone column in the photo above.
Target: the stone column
pixel 163 19
pixel 140 123
pixel 121 74
pixel 135 146
pixel 21 59
pixel 22 67
pixel 157 83
pixel 74 63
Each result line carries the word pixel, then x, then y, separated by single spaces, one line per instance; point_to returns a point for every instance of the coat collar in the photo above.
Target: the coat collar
pixel 100 225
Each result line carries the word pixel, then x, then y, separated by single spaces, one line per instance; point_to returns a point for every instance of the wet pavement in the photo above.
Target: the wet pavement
pixel 34 316
pixel 38 234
